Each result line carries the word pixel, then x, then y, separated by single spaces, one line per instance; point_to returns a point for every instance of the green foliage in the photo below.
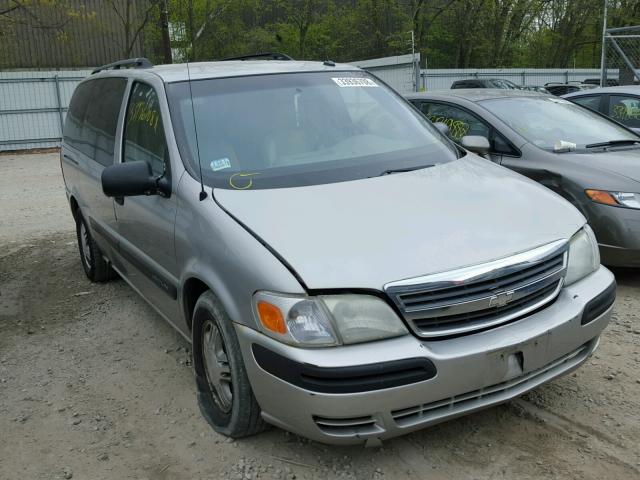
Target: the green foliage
pixel 448 33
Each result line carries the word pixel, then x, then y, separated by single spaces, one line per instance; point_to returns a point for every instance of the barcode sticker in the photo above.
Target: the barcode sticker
pixel 354 82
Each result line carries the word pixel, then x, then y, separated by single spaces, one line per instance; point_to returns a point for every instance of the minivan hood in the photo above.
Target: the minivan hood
pixel 365 233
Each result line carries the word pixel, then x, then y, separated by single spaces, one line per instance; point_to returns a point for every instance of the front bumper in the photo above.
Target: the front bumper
pixel 472 372
pixel 618 232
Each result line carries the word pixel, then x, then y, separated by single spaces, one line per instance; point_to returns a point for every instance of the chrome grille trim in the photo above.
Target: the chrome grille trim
pixel 481 296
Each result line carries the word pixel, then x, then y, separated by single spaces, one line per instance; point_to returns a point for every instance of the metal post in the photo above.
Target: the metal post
pixel 416 68
pixel 58 97
pixel 603 55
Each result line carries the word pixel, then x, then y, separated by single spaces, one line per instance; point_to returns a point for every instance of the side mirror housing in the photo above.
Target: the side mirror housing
pixel 476 144
pixel 129 179
pixel 443 128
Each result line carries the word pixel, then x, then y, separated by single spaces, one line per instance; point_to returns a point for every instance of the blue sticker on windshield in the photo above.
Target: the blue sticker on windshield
pixel 220 164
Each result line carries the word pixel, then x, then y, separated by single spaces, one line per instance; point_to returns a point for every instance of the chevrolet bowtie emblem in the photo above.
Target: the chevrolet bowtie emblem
pixel 501 299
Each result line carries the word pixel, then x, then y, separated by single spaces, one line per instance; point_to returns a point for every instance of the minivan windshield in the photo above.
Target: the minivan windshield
pixel 287 130
pixel 555 123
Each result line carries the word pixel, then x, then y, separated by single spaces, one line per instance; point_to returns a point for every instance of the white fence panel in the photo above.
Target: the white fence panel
pixel 33 106
pixel 400 72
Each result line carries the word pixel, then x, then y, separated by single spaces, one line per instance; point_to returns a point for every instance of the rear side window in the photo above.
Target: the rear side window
pixel 144 133
pixel 592 102
pixel 76 115
pixel 99 131
pixel 625 109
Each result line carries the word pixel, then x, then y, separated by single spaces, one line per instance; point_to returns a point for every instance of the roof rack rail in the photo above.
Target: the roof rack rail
pixel 260 56
pixel 139 62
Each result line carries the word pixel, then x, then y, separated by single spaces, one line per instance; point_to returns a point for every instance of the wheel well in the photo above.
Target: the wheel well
pixel 74 207
pixel 191 291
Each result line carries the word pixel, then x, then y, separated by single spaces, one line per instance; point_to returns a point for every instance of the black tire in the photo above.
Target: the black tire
pixel 93 262
pixel 238 414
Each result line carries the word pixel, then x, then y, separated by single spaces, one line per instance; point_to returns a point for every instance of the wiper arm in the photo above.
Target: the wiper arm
pixel 402 170
pixel 612 143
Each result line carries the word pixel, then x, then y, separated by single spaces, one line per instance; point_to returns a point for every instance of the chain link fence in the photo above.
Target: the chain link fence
pixel 622 53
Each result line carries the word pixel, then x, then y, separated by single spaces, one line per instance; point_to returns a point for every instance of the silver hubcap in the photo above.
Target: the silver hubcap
pixel 84 240
pixel 217 366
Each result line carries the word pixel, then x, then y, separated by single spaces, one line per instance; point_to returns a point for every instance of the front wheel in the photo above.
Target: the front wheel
pixel 224 393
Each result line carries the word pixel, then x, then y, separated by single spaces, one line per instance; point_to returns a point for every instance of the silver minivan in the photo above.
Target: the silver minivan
pixel 342 269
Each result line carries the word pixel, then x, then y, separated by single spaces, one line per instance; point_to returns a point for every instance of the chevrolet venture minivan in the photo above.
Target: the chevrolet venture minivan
pixel 342 269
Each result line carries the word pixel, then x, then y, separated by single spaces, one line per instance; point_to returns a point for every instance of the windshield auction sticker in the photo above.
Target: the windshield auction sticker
pixel 220 164
pixel 354 82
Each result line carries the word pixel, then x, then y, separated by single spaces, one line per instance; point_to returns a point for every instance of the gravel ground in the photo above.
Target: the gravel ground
pixel 95 385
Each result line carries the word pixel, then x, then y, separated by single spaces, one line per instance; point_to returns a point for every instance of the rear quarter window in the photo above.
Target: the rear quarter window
pixel 72 135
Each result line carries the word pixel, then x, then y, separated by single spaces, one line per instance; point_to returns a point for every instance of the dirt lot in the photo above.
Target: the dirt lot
pixel 95 385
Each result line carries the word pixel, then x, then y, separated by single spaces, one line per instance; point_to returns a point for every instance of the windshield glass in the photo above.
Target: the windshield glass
pixel 298 129
pixel 555 123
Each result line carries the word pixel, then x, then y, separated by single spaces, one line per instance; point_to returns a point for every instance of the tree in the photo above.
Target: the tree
pixel 134 16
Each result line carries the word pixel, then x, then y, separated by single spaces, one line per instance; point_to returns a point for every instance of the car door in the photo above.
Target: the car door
pixel 462 122
pixel 145 224
pixel 625 109
pixel 91 147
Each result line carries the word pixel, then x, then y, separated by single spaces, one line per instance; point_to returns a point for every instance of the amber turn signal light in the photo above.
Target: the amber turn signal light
pixel 599 196
pixel 271 317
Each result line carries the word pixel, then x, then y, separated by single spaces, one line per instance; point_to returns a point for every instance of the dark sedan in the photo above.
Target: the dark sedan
pixel 586 158
pixel 485 83
pixel 620 103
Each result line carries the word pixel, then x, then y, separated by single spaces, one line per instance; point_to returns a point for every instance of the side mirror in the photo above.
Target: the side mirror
pixel 476 144
pixel 129 179
pixel 443 128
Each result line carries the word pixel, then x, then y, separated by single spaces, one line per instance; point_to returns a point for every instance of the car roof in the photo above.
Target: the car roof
pixel 476 94
pixel 177 72
pixel 630 89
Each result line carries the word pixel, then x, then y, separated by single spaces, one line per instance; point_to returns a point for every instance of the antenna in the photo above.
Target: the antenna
pixel 203 194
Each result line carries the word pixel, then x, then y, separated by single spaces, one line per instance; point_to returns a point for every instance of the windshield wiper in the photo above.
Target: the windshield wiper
pixel 612 143
pixel 402 170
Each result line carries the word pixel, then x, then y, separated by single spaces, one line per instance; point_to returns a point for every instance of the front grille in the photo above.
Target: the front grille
pixel 348 427
pixel 482 296
pixel 495 393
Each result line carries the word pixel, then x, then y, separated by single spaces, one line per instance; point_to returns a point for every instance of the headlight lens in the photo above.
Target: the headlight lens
pixel 584 256
pixel 616 199
pixel 326 320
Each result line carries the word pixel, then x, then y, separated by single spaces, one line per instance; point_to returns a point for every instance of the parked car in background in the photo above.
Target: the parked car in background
pixel 533 88
pixel 611 82
pixel 581 155
pixel 342 269
pixel 558 89
pixel 485 83
pixel 622 104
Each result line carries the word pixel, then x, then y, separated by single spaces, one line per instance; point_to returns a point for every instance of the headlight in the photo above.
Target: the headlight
pixel 326 320
pixel 584 256
pixel 616 199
